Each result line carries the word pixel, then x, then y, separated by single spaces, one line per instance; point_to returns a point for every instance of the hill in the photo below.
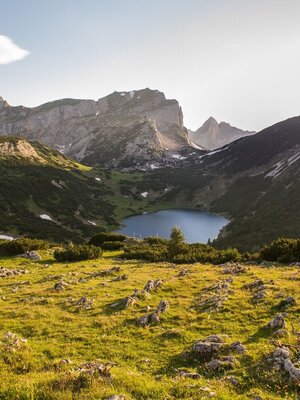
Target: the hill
pixel 56 339
pixel 45 194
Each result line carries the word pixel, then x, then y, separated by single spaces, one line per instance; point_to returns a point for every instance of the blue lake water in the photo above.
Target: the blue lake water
pixel 197 226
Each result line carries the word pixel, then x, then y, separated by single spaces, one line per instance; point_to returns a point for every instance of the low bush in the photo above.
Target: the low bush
pixel 282 250
pixel 20 246
pixel 102 237
pixel 112 245
pixel 185 253
pixel 78 253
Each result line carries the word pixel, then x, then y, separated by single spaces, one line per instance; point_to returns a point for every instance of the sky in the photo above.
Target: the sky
pixel 235 60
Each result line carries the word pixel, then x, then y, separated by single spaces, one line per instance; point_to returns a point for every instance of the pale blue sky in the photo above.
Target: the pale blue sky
pixel 237 60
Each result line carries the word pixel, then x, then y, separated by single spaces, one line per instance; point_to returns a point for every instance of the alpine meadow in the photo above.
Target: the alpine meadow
pixel 149 200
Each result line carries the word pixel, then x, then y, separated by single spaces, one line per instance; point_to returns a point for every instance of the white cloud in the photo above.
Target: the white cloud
pixel 9 51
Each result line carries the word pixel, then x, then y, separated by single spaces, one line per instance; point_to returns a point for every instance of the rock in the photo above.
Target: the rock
pixel 84 302
pixel 278 357
pixel 106 272
pixel 226 362
pixel 277 322
pixel 238 347
pixel 183 272
pixel 96 368
pixel 289 301
pixel 162 307
pixel 116 397
pixel 152 285
pixel 143 321
pixel 292 370
pixel 5 272
pixel 130 301
pixel 121 278
pixel 281 333
pixel 32 255
pixel 155 317
pixel 232 380
pixel 60 286
pixel 191 375
pixel 208 346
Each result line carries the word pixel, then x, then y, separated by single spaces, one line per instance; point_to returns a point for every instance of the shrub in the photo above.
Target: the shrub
pixel 282 250
pixel 185 253
pixel 102 237
pixel 78 253
pixel 113 245
pixel 19 246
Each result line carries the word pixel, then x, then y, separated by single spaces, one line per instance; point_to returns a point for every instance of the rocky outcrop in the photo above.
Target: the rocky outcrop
pixel 121 129
pixel 212 135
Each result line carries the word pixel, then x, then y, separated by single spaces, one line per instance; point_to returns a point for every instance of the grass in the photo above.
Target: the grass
pixel 147 359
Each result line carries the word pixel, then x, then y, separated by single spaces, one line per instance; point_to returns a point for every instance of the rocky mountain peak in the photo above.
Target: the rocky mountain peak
pixel 212 135
pixel 3 103
pixel 102 132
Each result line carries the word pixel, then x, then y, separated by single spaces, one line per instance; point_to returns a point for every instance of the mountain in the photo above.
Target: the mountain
pixel 254 181
pixel 212 135
pixel 123 129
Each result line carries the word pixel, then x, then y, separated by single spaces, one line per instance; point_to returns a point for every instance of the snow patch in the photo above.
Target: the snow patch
pixel 92 223
pixel 122 94
pixel 144 194
pixel 97 113
pixel 46 217
pixel 97 179
pixel 5 237
pixel 178 157
pixel 132 93
pixel 61 149
pixel 281 166
pixel 153 166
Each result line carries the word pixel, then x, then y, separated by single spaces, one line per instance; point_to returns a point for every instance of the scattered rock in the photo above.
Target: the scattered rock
pixel 281 333
pixel 277 322
pixel 106 272
pixel 187 374
pixel 162 307
pixel 13 342
pixel 232 380
pixel 292 371
pixel 31 255
pixel 238 347
pixel 233 268
pixel 209 345
pixel 96 368
pixel 152 285
pixel 224 363
pixel 60 286
pixel 121 278
pixel 289 301
pixel 5 272
pixel 183 272
pixel 155 316
pixel 84 302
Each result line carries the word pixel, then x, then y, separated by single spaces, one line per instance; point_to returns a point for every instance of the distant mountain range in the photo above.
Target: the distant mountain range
pixel 212 135
pixel 137 129
pixel 254 181
pixel 124 129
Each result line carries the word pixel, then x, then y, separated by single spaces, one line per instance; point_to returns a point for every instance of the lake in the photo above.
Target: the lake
pixel 197 226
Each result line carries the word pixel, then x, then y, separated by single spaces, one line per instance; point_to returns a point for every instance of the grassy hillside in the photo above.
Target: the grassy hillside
pixel 63 333
pixel 36 180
